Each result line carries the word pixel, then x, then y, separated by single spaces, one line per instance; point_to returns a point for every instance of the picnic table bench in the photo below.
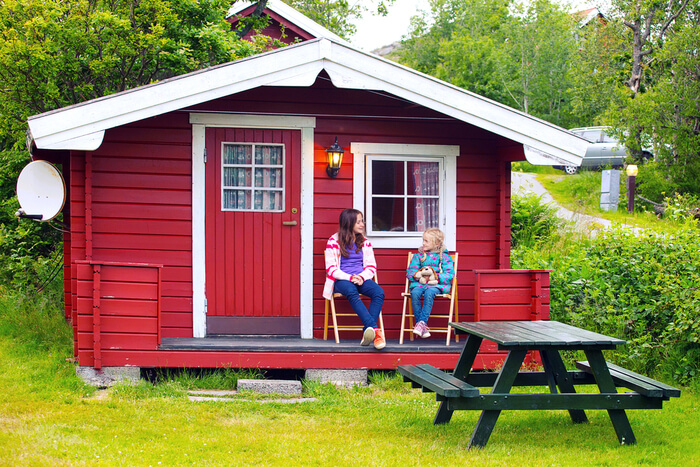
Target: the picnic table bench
pixel 459 390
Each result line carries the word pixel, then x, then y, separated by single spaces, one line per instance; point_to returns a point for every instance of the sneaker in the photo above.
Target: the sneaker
pixel 426 331
pixel 379 342
pixel 418 330
pixel 367 337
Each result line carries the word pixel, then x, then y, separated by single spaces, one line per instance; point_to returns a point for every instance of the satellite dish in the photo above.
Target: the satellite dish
pixel 41 191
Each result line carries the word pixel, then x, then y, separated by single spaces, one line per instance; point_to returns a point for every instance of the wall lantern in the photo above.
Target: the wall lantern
pixel 335 158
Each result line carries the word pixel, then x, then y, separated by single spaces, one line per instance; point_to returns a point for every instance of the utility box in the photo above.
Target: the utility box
pixel 610 190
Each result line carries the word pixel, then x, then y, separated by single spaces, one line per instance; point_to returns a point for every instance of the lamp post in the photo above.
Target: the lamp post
pixel 631 174
pixel 335 158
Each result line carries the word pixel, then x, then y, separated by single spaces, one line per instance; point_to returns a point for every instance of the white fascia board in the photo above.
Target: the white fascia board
pixel 343 64
pixel 88 142
pixel 298 66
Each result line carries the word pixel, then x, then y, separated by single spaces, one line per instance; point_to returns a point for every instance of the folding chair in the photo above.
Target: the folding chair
pixel 345 327
pixel 452 296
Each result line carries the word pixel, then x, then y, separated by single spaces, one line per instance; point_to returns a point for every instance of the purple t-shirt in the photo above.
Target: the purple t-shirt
pixel 353 263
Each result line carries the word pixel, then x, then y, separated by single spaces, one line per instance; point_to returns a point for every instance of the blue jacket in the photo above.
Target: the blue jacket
pixel 435 260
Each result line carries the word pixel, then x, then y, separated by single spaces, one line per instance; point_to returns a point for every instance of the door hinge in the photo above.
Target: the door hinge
pixel 205 155
pixel 205 306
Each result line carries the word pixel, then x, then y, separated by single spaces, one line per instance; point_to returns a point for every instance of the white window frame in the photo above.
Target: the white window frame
pixel 369 196
pixel 447 154
pixel 253 167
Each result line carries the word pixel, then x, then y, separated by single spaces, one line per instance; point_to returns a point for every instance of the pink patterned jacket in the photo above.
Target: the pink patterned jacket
pixel 333 272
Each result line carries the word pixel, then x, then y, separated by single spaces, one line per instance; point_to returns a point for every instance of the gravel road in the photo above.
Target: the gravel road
pixel 526 182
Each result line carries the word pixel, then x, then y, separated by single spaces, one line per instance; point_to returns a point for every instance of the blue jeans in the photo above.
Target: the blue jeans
pixel 370 289
pixel 428 293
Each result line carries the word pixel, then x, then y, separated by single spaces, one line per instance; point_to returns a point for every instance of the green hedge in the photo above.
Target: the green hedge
pixel 644 288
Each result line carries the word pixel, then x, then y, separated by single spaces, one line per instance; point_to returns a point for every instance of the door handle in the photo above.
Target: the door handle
pixel 289 223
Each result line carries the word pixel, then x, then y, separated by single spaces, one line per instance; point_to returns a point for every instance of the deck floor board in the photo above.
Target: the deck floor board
pixel 296 344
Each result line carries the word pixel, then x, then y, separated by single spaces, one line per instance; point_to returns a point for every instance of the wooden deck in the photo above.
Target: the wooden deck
pixel 296 344
pixel 276 352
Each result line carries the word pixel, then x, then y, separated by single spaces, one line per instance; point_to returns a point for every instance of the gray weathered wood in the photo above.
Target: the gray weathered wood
pixel 631 380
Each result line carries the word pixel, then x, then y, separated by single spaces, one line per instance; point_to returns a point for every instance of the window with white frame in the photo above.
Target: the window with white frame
pixel 405 189
pixel 252 177
pixel 403 194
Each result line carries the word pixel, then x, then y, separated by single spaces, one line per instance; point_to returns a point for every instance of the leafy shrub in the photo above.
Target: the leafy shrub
pixel 681 208
pixel 531 220
pixel 644 288
pixel 652 184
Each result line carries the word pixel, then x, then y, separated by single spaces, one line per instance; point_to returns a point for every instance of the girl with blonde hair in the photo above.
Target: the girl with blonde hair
pixel 432 254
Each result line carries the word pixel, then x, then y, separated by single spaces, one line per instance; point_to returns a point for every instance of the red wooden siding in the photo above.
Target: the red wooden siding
pixel 131 202
pixel 117 308
pixel 516 295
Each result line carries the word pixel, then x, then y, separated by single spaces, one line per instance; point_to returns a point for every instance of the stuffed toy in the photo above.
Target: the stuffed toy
pixel 427 275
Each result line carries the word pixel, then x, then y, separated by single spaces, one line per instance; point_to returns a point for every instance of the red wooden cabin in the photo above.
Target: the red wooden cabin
pixel 199 207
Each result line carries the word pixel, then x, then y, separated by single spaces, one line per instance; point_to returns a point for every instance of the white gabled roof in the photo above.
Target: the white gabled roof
pixel 291 15
pixel 82 126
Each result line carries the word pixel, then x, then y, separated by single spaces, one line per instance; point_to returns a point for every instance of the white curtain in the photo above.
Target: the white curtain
pixel 427 182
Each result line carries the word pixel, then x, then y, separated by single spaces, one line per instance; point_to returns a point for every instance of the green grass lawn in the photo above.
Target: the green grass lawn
pixel 48 417
pixel 581 193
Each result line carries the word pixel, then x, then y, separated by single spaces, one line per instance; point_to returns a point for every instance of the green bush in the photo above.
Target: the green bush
pixel 652 184
pixel 644 288
pixel 531 220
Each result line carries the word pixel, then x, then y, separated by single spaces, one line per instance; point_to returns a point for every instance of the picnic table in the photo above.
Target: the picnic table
pixel 459 390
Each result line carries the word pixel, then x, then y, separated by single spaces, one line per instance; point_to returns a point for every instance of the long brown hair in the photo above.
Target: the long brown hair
pixel 346 234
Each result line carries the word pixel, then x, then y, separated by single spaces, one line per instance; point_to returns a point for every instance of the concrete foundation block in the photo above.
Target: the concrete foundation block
pixel 344 378
pixel 270 386
pixel 108 376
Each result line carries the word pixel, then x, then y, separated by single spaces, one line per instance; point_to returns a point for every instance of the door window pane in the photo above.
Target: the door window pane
pixel 258 180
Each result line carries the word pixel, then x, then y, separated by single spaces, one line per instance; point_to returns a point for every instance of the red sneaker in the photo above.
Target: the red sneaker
pixel 379 342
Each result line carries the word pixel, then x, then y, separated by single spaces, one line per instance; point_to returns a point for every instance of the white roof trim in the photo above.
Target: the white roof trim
pixel 290 14
pixel 299 65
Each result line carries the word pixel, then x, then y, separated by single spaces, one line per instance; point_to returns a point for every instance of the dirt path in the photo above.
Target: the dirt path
pixel 526 182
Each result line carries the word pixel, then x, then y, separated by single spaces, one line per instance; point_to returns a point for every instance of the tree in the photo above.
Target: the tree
pixel 598 66
pixel 459 41
pixel 649 20
pixel 338 15
pixel 55 53
pixel 669 112
pixel 656 102
pixel 535 63
pixel 517 54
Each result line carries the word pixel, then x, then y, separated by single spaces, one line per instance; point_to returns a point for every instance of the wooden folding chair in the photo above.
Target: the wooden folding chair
pixel 345 327
pixel 453 313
